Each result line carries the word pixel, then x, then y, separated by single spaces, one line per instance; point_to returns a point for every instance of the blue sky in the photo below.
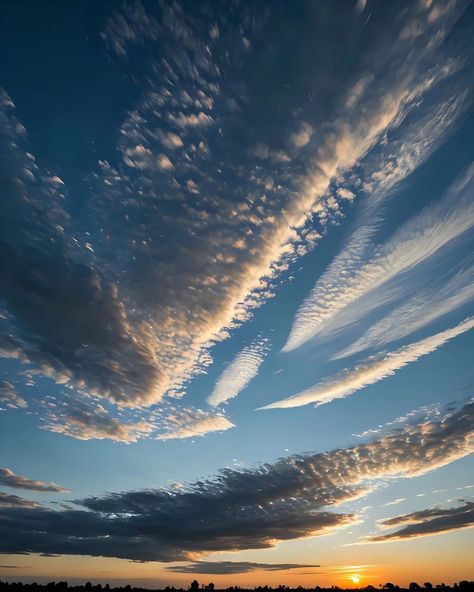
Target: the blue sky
pixel 237 269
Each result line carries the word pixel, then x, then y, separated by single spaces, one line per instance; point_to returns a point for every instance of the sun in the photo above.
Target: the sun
pixel 355 579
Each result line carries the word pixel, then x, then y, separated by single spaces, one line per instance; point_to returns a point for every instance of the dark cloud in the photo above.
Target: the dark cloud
pixel 237 510
pixel 428 522
pixel 233 567
pixel 14 501
pixel 9 479
pixel 61 313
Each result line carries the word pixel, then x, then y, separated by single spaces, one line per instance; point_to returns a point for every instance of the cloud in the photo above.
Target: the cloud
pixel 9 479
pixel 85 420
pixel 417 240
pixel 14 501
pixel 9 396
pixel 238 509
pixel 301 137
pixel 363 375
pixel 238 374
pixel 189 232
pixel 220 283
pixel 62 314
pixel 233 567
pixel 437 300
pixel 395 502
pixel 187 423
pixel 427 523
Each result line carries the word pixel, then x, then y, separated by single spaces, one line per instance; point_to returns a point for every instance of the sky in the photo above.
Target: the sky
pixel 236 292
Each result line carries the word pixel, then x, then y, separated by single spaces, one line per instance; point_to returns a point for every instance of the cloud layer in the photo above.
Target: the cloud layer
pixel 188 231
pixel 289 499
pixel 233 567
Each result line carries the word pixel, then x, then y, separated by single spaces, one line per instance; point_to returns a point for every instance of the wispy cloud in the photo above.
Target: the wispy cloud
pixel 239 509
pixel 427 523
pixel 414 242
pixel 363 375
pixel 438 299
pixel 243 368
pixel 9 479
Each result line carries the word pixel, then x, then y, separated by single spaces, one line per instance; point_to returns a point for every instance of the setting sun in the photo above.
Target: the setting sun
pixel 355 579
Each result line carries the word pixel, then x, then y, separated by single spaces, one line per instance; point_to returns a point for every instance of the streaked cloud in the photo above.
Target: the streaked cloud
pixel 418 239
pixel 233 567
pixel 395 502
pixel 427 523
pixel 438 299
pixel 14 501
pixel 363 375
pixel 238 374
pixel 239 509
pixel 9 479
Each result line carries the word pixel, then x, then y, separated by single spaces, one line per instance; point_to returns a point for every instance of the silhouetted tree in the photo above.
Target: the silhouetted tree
pixel 428 585
pixel 389 586
pixel 414 586
pixel 194 585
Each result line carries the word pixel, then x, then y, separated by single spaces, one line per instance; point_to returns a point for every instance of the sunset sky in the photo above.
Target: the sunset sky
pixel 237 291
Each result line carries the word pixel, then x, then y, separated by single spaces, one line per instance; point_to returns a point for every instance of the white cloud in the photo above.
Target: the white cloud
pixel 354 274
pixel 437 300
pixel 243 368
pixel 364 375
pixel 346 194
pixel 10 479
pixel 177 280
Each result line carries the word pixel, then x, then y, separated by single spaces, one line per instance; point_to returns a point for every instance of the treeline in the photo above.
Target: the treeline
pixel 462 586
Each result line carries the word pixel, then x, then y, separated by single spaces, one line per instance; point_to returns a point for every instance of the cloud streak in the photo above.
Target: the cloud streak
pixel 238 374
pixel 437 300
pixel 9 479
pixel 427 523
pixel 414 242
pixel 233 567
pixel 351 381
